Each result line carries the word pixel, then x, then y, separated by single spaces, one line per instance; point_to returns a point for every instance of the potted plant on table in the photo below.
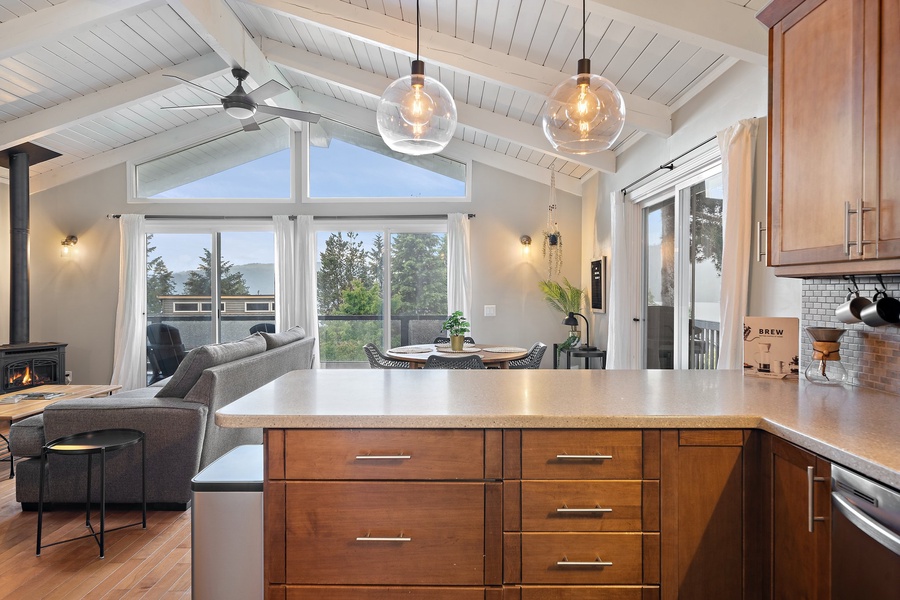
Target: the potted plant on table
pixel 566 298
pixel 457 327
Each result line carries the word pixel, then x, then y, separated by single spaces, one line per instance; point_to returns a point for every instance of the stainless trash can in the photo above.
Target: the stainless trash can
pixel 227 527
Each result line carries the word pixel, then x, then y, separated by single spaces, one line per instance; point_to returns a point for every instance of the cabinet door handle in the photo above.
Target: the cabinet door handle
pixel 847 212
pixel 759 250
pixel 400 538
pixel 583 563
pixel 383 457
pixel 596 509
pixel 584 456
pixel 810 480
pixel 860 225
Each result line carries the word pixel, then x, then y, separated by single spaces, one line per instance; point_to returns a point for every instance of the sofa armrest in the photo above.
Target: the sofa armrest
pixel 173 438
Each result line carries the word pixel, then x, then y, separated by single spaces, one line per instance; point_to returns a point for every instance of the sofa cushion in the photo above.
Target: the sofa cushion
pixel 26 437
pixel 276 340
pixel 204 357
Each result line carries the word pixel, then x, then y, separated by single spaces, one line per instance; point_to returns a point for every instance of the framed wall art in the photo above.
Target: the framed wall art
pixel 598 285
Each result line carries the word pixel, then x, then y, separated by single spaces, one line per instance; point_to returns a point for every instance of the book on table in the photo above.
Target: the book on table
pixel 31 396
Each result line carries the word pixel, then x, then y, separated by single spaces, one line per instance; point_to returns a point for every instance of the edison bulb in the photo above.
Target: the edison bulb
pixel 584 108
pixel 417 107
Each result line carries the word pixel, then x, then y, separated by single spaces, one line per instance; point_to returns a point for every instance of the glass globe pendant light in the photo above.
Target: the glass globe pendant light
pixel 416 114
pixel 585 113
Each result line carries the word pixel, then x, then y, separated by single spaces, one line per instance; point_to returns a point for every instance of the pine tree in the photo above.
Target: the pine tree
pixel 342 262
pixel 418 274
pixel 230 284
pixel 160 280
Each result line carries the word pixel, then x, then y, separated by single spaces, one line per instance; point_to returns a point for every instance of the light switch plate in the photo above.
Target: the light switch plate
pixel 490 310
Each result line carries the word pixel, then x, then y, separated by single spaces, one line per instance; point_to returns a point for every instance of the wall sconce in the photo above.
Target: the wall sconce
pixel 525 240
pixel 67 247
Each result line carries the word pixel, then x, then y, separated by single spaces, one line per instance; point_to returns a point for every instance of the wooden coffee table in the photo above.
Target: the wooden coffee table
pixel 12 412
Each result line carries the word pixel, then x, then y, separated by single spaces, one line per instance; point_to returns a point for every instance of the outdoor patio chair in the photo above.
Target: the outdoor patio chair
pixel 533 360
pixel 165 351
pixel 266 327
pixel 377 360
pixel 473 361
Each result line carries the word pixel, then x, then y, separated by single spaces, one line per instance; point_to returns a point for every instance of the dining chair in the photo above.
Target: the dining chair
pixel 532 360
pixel 446 340
pixel 377 360
pixel 473 361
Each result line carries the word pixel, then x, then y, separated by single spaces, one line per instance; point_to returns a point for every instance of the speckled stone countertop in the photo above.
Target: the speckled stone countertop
pixel 855 427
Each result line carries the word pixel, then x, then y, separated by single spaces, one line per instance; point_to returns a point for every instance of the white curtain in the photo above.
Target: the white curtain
pixel 622 347
pixel 287 300
pixel 306 300
pixel 737 144
pixel 129 361
pixel 459 265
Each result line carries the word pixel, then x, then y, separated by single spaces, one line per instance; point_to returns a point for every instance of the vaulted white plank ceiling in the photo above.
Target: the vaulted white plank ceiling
pixel 85 77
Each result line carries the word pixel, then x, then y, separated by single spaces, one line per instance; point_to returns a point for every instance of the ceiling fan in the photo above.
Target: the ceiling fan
pixel 243 105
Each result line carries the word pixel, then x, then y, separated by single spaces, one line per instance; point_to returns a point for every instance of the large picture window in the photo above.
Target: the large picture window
pixel 244 165
pixel 349 163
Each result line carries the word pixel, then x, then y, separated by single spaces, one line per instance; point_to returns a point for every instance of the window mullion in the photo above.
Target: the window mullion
pixel 386 288
pixel 214 297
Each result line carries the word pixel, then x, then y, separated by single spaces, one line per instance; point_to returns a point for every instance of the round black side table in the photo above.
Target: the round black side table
pixel 91 443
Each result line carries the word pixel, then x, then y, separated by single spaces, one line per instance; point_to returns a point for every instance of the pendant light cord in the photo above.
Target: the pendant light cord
pixel 583 28
pixel 418 27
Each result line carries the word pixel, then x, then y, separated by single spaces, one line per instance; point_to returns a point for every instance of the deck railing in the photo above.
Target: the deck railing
pixel 706 345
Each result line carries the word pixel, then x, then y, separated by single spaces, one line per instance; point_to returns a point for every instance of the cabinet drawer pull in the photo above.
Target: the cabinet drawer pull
pixel 368 538
pixel 383 457
pixel 810 480
pixel 583 563
pixel 584 456
pixel 596 509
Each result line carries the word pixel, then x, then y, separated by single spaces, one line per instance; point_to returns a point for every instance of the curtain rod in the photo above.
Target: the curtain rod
pixel 669 166
pixel 291 217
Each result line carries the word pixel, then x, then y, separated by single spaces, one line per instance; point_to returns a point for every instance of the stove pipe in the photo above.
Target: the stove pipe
pixel 19 277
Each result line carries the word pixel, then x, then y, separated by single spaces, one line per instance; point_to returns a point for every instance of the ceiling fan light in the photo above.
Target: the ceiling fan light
pixel 584 114
pixel 416 114
pixel 240 112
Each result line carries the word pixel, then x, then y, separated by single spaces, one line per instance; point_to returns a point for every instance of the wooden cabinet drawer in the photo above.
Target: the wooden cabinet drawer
pixel 383 593
pixel 430 533
pixel 577 558
pixel 581 505
pixel 587 592
pixel 581 454
pixel 384 454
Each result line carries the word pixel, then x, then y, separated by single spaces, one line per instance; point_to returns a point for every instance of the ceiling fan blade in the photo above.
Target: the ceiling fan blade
pixel 267 90
pixel 298 115
pixel 250 124
pixel 196 85
pixel 197 106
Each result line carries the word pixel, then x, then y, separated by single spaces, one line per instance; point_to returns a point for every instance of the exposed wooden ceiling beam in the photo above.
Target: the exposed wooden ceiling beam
pixel 216 23
pixel 716 25
pixel 92 106
pixel 64 20
pixel 373 85
pixel 362 118
pixel 456 54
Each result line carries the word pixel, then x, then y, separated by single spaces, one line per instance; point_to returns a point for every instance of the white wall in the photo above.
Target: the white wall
pixel 740 93
pixel 74 300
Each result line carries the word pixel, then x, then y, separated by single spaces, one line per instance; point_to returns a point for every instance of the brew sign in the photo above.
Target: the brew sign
pixel 772 347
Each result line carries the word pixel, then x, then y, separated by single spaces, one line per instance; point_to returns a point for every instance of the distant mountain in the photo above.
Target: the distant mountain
pixel 260 278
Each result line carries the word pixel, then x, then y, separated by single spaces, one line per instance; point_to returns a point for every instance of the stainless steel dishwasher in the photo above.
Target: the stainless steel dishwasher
pixel 865 538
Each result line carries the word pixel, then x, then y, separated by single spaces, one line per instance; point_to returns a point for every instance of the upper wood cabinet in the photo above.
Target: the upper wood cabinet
pixel 834 136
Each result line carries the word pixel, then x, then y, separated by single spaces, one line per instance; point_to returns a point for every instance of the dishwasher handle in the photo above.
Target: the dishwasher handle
pixel 866 523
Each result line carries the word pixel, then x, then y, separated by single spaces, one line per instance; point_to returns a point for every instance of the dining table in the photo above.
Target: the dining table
pixel 492 355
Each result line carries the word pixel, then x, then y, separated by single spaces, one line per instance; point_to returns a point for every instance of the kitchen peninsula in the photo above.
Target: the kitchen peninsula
pixel 543 484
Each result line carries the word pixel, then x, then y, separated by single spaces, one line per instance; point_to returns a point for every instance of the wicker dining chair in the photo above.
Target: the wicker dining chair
pixel 472 361
pixel 377 360
pixel 532 360
pixel 446 340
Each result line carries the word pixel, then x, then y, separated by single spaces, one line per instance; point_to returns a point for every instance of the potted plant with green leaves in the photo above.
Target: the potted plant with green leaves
pixel 457 327
pixel 566 298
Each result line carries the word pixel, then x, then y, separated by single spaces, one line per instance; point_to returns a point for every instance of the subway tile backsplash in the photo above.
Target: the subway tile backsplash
pixel 871 355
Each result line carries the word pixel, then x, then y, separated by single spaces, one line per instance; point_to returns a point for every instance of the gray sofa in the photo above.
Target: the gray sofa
pixel 177 416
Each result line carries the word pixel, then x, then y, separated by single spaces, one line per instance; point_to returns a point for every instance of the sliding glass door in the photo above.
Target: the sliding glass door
pixel 379 284
pixel 682 274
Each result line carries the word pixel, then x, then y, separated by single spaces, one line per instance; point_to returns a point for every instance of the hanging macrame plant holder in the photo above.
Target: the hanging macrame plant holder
pixel 552 247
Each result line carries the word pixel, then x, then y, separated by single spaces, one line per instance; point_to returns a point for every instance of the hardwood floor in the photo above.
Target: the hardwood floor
pixel 152 563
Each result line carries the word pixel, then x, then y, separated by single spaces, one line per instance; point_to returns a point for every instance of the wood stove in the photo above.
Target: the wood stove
pixel 24 366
